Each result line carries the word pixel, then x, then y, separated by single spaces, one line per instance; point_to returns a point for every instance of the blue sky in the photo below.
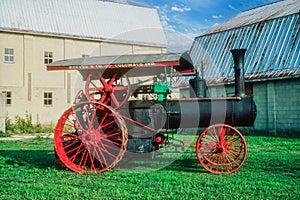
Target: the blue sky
pixel 183 20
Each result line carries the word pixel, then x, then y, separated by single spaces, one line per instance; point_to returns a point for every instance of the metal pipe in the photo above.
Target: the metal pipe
pixel 238 58
pixel 197 87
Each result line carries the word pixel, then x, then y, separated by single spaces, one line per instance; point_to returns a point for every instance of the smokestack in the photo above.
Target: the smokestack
pixel 238 58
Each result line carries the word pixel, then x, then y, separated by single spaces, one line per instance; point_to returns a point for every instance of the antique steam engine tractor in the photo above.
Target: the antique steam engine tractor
pixel 111 116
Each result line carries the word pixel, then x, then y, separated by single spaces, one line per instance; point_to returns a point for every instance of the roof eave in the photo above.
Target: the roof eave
pixel 77 37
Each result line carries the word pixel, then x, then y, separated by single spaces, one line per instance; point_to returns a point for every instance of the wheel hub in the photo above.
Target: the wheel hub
pixel 108 89
pixel 222 147
pixel 221 150
pixel 88 137
pixel 91 137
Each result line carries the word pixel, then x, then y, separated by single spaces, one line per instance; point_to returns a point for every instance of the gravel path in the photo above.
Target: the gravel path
pixel 27 136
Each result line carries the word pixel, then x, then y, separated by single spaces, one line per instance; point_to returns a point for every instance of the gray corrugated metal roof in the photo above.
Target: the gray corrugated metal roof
pixel 118 59
pixel 131 65
pixel 89 19
pixel 272 50
pixel 264 13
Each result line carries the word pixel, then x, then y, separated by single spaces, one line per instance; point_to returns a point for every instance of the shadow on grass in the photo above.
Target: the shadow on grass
pixel 45 159
pixel 187 165
pixel 42 159
pixel 144 162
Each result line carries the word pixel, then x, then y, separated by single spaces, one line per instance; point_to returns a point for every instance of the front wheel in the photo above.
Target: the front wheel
pixel 90 137
pixel 221 149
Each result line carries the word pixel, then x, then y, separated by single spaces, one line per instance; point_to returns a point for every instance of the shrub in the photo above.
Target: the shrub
pixel 9 126
pixel 25 125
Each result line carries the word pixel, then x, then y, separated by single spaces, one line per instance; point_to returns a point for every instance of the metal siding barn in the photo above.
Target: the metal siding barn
pixel 272 62
pixel 264 41
pixel 90 19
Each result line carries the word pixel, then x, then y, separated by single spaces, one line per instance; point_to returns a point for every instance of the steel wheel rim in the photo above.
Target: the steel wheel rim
pixel 90 145
pixel 108 90
pixel 221 156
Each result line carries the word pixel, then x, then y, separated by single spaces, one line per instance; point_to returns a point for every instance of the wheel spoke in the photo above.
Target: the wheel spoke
pixel 222 131
pixel 83 159
pixel 70 145
pixel 68 137
pixel 108 90
pixel 79 150
pixel 103 81
pixel 107 152
pixel 112 142
pixel 91 158
pixel 102 156
pixel 115 101
pixel 112 134
pixel 120 88
pixel 214 134
pixel 96 88
pixel 103 119
pixel 112 80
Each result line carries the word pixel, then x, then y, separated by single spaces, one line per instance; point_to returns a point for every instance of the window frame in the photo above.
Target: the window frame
pixel 249 89
pixel 48 99
pixel 8 98
pixel 48 57
pixel 9 55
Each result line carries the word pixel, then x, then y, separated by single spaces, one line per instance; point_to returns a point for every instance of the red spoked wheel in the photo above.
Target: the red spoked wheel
pixel 113 91
pixel 90 137
pixel 221 149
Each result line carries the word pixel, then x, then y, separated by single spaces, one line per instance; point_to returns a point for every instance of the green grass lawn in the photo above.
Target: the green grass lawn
pixel 271 171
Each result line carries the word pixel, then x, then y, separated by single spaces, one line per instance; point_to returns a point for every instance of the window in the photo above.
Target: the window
pixel 8 55
pixel 48 57
pixel 48 98
pixel 249 89
pixel 8 99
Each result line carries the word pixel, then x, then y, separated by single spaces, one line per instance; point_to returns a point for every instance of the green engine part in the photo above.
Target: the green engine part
pixel 162 89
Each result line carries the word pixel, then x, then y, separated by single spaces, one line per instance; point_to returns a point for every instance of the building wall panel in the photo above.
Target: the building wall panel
pixel 278 107
pixel 34 49
pixel 12 72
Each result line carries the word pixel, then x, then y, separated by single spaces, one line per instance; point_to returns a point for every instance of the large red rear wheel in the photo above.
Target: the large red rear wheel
pixel 90 137
pixel 113 91
pixel 221 149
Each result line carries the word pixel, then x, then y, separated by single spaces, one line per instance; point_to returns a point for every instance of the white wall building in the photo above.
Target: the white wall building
pixel 34 33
